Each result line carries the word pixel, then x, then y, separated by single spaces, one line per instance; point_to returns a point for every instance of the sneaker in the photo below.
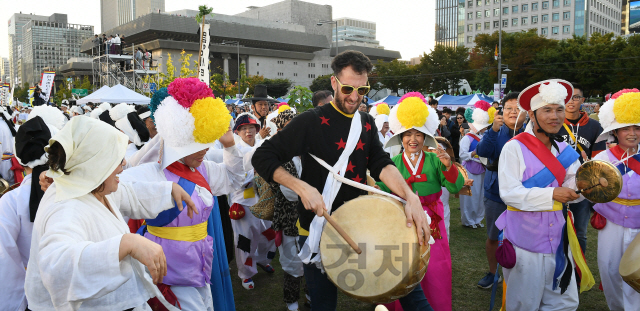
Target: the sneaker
pixel 487 281
pixel 247 283
pixel 267 268
pixel 480 225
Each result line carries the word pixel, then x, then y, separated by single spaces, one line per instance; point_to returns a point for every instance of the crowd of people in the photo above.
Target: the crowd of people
pixel 145 207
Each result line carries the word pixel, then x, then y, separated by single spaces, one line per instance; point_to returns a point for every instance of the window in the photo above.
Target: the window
pixel 566 29
pixel 505 23
pixel 496 12
pixel 295 74
pixel 534 19
pixel 478 26
pixel 514 9
pixel 556 3
pixel 487 13
pixel 469 39
pixel 567 2
pixel 544 31
pixel 525 20
pixel 311 65
pixel 514 22
pixel 545 4
pixel 280 74
pixel 566 16
pixel 554 30
pixel 325 65
pixel 478 14
pixel 496 1
pixel 505 11
pixel 487 2
pixel 470 15
pixel 487 25
pixel 295 63
pixel 525 7
pixel 555 17
pixel 470 27
pixel 545 18
pixel 478 2
pixel 312 76
pixel 496 24
pixel 534 6
pixel 470 3
pixel 280 62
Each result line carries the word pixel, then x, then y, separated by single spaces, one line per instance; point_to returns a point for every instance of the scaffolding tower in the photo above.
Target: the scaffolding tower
pixel 112 65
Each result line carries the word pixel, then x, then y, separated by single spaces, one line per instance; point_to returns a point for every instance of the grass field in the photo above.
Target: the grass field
pixel 469 265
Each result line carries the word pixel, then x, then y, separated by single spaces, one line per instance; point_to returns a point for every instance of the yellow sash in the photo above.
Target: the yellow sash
pixel 557 206
pixel 626 202
pixel 572 136
pixel 189 233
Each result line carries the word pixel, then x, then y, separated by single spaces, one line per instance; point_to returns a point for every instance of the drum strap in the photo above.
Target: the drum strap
pixel 310 253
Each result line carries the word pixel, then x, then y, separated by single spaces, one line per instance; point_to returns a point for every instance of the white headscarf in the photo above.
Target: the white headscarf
pixel 93 150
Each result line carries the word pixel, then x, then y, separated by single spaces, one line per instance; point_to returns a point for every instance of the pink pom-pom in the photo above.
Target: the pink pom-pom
pixel 282 103
pixel 482 105
pixel 412 94
pixel 188 90
pixel 623 91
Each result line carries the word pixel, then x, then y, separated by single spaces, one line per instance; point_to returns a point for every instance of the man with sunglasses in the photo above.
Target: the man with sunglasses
pixel 581 132
pixel 346 139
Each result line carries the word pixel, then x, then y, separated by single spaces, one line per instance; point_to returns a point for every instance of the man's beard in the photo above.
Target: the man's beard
pixel 341 105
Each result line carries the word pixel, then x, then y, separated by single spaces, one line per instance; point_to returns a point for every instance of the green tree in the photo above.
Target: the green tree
pixel 393 75
pixel 22 92
pixel 321 83
pixel 482 80
pixel 300 98
pixel 444 68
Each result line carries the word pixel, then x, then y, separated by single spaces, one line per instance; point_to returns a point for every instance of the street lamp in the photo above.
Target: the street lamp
pixel 238 46
pixel 320 23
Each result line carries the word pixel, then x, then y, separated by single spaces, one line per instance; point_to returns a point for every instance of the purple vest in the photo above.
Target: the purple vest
pixel 626 216
pixel 537 232
pixel 188 263
pixel 471 166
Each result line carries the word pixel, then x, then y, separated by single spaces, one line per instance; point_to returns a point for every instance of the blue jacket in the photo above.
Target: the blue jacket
pixel 490 147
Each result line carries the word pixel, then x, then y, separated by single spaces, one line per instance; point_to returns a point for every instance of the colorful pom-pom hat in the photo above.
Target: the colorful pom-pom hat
pixel 482 116
pixel 189 119
pixel 380 109
pixel 543 93
pixel 412 112
pixel 621 110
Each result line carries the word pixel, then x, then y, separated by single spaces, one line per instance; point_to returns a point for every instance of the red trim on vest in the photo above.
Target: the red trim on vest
pixel 631 163
pixel 473 136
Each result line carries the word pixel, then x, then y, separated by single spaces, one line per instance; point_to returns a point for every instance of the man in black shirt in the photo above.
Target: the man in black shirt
pixel 327 132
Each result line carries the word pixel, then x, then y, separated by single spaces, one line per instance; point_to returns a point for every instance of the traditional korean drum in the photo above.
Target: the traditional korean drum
pixel 630 264
pixel 392 262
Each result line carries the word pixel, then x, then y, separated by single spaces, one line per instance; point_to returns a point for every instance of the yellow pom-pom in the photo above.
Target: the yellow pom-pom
pixel 211 119
pixel 492 114
pixel 283 108
pixel 626 108
pixel 383 109
pixel 412 112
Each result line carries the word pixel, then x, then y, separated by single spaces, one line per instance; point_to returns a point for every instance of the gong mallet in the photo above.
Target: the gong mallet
pixel 341 231
pixel 602 182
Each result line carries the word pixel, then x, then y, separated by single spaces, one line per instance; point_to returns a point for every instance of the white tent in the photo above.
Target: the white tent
pixel 120 94
pixel 93 97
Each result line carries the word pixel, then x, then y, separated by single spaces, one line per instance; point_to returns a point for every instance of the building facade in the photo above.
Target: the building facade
pixel 49 44
pixel 114 13
pixel 16 22
pixel 5 70
pixel 356 32
pixel 555 19
pixel 447 17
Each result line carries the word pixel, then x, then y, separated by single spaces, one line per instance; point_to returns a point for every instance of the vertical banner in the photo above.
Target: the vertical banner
pixel 46 84
pixel 11 94
pixel 496 92
pixel 203 72
pixel 31 91
pixel 5 94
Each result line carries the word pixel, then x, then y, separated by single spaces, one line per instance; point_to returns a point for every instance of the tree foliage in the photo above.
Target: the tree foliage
pixel 444 68
pixel 277 87
pixel 321 83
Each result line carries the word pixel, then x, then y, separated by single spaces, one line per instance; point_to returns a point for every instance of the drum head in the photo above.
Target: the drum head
pixel 390 250
pixel 590 173
pixel 630 264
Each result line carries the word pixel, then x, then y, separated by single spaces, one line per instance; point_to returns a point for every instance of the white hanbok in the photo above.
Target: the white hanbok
pixel 472 207
pixel 74 262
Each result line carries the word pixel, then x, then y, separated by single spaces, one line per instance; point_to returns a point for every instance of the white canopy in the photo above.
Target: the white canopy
pixel 93 97
pixel 120 94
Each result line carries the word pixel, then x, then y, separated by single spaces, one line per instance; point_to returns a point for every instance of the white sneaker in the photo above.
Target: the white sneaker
pixel 480 225
pixel 247 284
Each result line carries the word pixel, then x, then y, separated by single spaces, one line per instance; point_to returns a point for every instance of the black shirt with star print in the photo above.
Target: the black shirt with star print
pixel 323 132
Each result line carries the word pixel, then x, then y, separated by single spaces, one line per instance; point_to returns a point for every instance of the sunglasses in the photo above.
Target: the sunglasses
pixel 348 89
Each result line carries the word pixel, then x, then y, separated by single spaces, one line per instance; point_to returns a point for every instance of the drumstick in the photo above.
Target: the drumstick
pixel 603 182
pixel 341 231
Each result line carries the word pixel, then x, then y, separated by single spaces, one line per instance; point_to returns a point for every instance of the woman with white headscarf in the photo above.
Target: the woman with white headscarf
pixel 82 256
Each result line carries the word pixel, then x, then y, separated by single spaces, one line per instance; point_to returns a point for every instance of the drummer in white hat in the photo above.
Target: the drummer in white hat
pixel 472 207
pixel 414 123
pixel 619 220
pixel 536 175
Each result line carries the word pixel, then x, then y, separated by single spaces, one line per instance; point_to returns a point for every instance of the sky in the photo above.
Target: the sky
pixel 407 26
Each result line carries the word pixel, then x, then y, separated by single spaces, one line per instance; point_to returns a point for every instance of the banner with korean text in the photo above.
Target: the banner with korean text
pixel 203 71
pixel 46 84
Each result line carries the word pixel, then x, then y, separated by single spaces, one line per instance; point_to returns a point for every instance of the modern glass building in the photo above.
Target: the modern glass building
pixel 49 44
pixel 447 28
pixel 356 32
